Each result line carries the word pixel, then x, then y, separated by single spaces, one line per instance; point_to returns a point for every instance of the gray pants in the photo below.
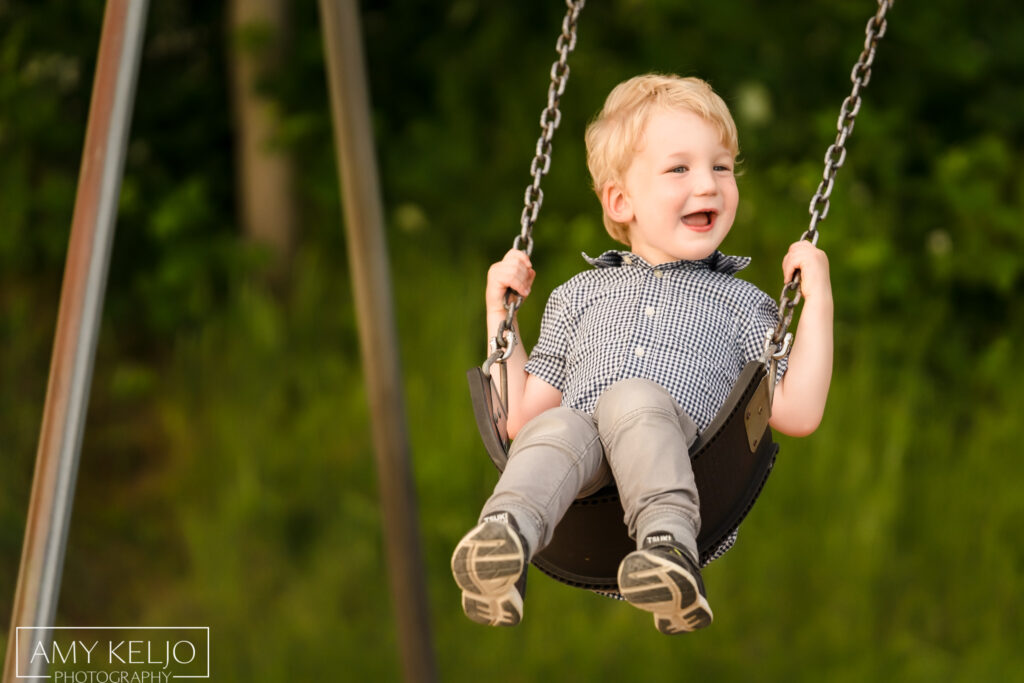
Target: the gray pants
pixel 638 435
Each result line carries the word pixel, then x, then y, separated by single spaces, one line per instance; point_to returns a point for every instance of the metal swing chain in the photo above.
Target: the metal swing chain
pixel 504 340
pixel 778 342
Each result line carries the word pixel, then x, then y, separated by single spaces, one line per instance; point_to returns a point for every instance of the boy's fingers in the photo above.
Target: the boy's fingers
pixel 527 281
pixel 810 261
pixel 517 279
pixel 792 261
pixel 788 265
pixel 518 256
pixel 512 275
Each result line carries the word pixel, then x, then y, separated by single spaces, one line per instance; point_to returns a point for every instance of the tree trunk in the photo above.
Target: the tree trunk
pixel 264 168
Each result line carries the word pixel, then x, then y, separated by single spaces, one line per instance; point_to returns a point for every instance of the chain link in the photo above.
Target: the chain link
pixel 550 118
pixel 533 197
pixel 779 341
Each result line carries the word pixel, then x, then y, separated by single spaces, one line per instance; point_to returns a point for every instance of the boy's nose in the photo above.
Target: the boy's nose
pixel 704 183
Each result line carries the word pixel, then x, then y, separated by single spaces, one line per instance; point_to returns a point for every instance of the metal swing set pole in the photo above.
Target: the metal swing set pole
pixel 78 321
pixel 371 282
pixel 92 231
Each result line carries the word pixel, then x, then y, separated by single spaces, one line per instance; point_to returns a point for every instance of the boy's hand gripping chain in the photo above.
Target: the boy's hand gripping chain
pixel 779 342
pixel 504 340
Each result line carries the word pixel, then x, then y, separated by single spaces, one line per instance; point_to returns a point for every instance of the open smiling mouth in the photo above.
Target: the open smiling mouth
pixel 700 219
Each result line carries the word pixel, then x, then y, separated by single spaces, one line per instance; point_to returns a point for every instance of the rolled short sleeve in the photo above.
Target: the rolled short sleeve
pixel 764 317
pixel 547 361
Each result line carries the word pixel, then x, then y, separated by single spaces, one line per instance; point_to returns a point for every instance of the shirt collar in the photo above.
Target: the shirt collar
pixel 717 262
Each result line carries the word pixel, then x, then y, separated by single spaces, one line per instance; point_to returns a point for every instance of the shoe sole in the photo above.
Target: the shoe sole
pixel 656 584
pixel 486 565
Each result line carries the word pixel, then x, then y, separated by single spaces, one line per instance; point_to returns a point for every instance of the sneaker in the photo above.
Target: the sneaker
pixel 663 579
pixel 489 565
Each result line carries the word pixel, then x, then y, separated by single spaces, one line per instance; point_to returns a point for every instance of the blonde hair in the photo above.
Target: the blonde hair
pixel 613 137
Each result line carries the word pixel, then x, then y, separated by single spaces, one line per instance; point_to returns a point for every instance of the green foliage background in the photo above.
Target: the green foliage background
pixel 227 473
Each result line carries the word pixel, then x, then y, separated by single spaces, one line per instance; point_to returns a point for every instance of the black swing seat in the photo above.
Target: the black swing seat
pixel 731 459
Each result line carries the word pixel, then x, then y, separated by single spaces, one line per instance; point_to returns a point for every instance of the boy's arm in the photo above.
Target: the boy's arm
pixel 528 396
pixel 799 401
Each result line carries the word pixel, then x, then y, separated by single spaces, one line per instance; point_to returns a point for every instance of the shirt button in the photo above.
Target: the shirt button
pixel 639 352
pixel 649 311
pixel 658 273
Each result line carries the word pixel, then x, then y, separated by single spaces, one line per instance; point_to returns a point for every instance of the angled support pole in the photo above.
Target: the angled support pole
pixel 364 223
pixel 78 321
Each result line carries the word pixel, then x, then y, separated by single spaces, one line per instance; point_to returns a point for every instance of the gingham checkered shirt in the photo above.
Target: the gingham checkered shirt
pixel 690 326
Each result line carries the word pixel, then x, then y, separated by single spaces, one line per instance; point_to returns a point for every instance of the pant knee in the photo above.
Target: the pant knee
pixel 561 427
pixel 628 395
pixel 639 402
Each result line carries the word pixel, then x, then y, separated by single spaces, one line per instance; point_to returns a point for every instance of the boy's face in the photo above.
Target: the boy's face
pixel 679 194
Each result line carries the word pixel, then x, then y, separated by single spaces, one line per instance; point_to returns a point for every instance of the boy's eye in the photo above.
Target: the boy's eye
pixel 679 169
pixel 726 169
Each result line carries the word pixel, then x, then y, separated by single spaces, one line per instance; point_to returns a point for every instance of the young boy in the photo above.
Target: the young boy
pixel 636 356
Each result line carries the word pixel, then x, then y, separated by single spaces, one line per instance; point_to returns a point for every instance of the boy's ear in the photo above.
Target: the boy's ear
pixel 617 204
